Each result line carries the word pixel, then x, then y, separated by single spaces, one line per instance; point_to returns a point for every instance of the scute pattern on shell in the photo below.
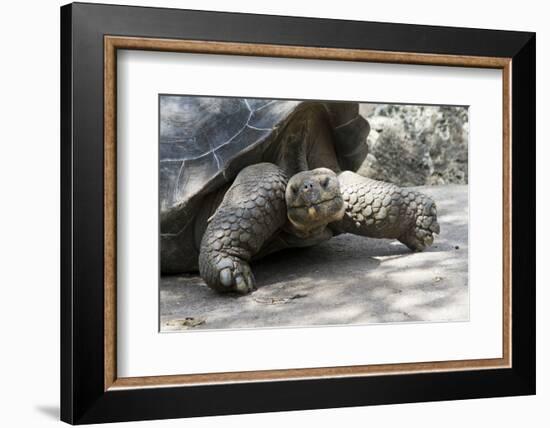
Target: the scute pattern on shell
pixel 203 141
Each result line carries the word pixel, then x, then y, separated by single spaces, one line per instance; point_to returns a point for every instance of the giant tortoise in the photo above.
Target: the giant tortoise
pixel 242 178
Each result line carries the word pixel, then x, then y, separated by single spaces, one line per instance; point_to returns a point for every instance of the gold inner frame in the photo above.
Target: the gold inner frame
pixel 113 43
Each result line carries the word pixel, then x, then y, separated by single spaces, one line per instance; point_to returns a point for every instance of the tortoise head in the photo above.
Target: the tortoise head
pixel 313 199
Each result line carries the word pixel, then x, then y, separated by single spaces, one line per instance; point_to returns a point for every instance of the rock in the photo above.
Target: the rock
pixel 183 324
pixel 413 145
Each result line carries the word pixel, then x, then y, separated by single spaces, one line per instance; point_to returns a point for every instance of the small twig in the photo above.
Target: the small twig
pixel 278 300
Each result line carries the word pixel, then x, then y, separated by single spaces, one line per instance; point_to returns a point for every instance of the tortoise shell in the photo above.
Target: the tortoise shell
pixel 206 141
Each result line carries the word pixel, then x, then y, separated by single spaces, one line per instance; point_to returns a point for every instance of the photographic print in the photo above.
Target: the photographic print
pixel 299 213
pixel 326 199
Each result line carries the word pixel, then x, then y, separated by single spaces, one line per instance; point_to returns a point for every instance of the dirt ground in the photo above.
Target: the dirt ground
pixel 347 280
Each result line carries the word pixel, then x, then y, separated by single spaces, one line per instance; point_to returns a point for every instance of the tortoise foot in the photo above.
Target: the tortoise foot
pixel 227 273
pixel 420 234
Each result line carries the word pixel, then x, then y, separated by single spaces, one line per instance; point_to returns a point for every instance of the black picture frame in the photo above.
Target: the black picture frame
pixel 83 396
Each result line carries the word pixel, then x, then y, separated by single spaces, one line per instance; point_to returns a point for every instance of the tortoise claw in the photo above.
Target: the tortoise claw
pixel 233 274
pixel 421 233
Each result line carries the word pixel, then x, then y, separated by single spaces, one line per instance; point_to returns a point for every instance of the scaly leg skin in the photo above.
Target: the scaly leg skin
pixel 252 210
pixel 383 210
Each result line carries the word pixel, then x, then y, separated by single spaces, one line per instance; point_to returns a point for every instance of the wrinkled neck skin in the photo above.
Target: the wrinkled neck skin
pixel 305 143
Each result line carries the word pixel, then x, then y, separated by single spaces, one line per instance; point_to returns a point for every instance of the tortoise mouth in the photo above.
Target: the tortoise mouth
pixel 313 204
pixel 311 216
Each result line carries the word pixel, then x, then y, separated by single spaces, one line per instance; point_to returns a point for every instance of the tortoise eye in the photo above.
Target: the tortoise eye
pixel 325 182
pixel 294 190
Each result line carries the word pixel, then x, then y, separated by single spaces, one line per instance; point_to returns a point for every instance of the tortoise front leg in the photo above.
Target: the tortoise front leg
pixel 252 210
pixel 383 210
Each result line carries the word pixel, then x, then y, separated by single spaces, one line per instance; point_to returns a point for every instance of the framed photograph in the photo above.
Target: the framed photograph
pixel 267 213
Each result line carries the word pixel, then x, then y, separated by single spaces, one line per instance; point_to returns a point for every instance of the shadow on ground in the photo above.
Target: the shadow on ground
pixel 347 280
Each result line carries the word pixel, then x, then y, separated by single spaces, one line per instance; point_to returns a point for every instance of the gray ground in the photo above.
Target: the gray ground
pixel 347 280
